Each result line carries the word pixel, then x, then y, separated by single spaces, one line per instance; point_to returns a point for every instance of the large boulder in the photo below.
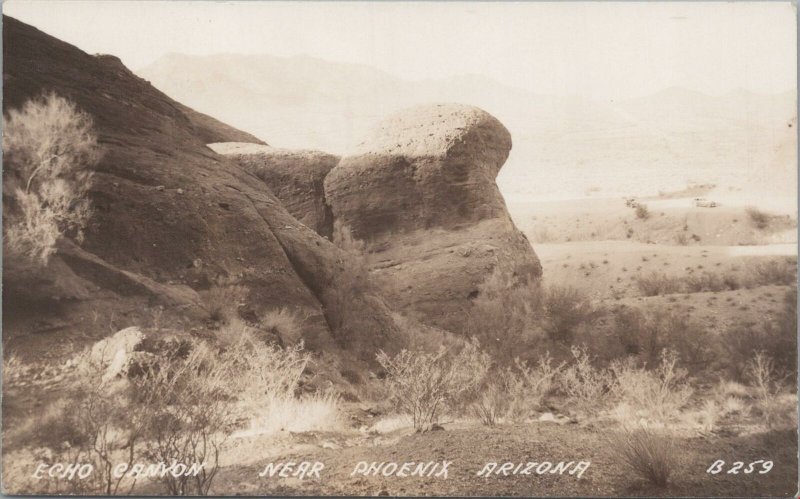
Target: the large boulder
pixel 295 177
pixel 420 193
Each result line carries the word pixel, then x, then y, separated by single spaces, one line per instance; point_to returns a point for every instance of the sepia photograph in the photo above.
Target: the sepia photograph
pixel 450 249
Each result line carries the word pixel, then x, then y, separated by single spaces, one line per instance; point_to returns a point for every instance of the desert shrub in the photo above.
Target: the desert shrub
pixel 657 283
pixel 774 272
pixel 261 375
pixel 189 413
pixel 659 393
pixel 423 385
pixel 642 212
pixel 527 386
pixel 92 424
pixel 49 148
pixel 493 399
pixel 283 324
pixel 647 452
pixel 775 336
pixel 758 218
pixel 566 309
pixel 515 392
pixel 223 300
pixel 706 281
pixel 646 334
pixel 585 386
pixel 505 316
pixel 768 386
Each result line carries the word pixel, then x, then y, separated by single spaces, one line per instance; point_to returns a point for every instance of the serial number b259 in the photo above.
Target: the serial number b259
pixel 761 467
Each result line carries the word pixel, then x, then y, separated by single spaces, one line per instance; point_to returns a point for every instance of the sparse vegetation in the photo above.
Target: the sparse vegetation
pixel 527 386
pixel 423 385
pixel 769 387
pixel 49 148
pixel 656 283
pixel 585 386
pixel 506 316
pixel 658 394
pixel 566 309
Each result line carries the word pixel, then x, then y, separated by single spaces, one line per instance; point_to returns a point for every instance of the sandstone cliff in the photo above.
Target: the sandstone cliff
pixel 295 177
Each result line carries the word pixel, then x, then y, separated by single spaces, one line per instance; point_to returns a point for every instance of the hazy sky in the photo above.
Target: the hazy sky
pixel 592 49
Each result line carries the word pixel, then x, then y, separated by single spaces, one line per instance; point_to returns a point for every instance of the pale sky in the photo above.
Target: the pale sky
pixel 567 48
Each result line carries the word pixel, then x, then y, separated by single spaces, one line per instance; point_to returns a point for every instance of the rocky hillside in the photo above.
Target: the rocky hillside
pixel 171 220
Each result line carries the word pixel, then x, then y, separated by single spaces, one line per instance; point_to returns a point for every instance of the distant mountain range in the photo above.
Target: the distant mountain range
pixel 562 145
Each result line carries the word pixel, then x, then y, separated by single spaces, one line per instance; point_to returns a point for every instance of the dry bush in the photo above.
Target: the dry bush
pixel 649 453
pixel 642 212
pixel 646 334
pixel 93 424
pixel 424 385
pixel 506 316
pixel 659 393
pixel 188 413
pixel 759 219
pixel 769 387
pixel 527 386
pixel 657 283
pixel 565 310
pixel 492 401
pixel 515 392
pixel 48 150
pixel 586 387
pixel 707 281
pixel 262 381
pixel 260 374
pixel 224 300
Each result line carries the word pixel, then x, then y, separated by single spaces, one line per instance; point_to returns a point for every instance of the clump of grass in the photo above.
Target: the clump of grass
pixel 642 212
pixel 284 324
pixel 648 453
pixel 223 301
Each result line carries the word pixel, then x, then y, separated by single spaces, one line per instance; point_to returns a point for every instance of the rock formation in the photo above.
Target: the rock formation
pixel 421 194
pixel 170 218
pixel 295 177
